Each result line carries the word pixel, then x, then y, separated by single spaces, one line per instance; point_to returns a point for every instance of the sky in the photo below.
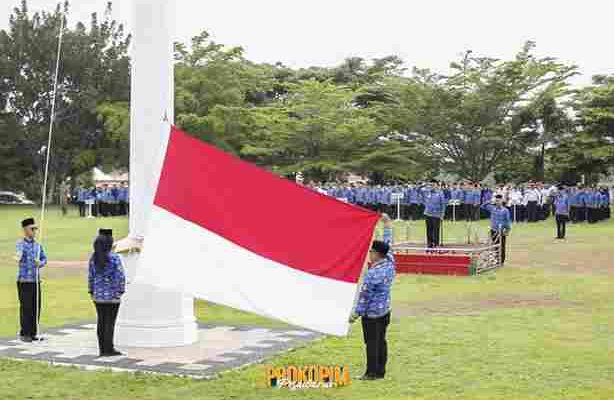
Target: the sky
pixel 425 34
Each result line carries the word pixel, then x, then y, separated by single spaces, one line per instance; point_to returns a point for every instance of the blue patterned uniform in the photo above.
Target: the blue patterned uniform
pixel 28 252
pixel 414 196
pixel 561 204
pixel 499 217
pixel 486 196
pixel 574 198
pixel 458 194
pixel 473 197
pixel 374 298
pixel 582 198
pixel 109 285
pixel 434 203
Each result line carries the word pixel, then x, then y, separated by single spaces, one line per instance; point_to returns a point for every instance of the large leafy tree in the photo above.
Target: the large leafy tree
pixel 590 150
pixel 94 68
pixel 476 118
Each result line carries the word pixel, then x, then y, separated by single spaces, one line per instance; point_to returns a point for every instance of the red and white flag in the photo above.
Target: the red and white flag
pixel 226 231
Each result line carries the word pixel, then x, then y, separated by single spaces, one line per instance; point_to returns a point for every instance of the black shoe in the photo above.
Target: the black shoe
pixel 37 338
pixel 26 339
pixel 367 377
pixel 113 353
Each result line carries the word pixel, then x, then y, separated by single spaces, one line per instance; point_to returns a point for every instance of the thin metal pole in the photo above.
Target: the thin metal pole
pixel 46 176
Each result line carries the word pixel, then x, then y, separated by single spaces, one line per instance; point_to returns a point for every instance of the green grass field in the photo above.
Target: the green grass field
pixel 541 328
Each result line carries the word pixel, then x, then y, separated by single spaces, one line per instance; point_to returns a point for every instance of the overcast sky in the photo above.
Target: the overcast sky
pixel 427 33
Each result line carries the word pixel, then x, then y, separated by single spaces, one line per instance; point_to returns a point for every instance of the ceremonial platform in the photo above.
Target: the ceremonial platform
pixel 453 259
pixel 219 348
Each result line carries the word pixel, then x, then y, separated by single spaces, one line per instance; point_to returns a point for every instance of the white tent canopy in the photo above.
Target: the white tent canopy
pixel 100 178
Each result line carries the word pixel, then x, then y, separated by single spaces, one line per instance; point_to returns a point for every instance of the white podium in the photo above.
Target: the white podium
pixel 149 317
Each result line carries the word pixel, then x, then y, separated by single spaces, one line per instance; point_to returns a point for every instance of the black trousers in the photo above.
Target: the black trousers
pixel 433 229
pixel 454 213
pixel 29 299
pixel 81 205
pixel 532 211
pixel 499 238
pixel 405 212
pixel 521 213
pixel 473 212
pixel 107 315
pixel 374 334
pixel 582 214
pixel 561 223
pixel 467 208
pixel 459 212
pixel 123 208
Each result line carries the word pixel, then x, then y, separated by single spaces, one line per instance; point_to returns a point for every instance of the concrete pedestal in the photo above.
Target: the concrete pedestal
pixel 149 317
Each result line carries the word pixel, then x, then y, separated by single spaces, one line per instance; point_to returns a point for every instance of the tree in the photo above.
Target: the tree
pixel 475 118
pixel 590 149
pixel 94 68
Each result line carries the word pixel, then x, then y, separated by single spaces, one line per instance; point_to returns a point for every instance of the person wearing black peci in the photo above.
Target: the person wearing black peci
pixel 30 257
pixel 373 305
pixel 106 284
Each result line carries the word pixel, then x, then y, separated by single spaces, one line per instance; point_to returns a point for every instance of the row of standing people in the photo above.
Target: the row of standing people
pixel 532 202
pixel 105 200
pixel 106 285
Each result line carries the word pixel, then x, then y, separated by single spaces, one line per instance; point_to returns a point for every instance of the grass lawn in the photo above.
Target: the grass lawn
pixel 541 328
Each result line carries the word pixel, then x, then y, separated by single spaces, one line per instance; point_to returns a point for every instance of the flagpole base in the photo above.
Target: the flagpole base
pixel 136 334
pixel 151 317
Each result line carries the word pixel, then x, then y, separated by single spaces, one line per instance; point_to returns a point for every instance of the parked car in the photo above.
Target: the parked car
pixel 14 198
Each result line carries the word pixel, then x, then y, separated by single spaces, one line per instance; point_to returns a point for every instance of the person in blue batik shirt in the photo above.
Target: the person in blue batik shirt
pixel 30 257
pixel 434 211
pixel 106 285
pixel 456 204
pixel 500 223
pixel 373 304
pixel 561 211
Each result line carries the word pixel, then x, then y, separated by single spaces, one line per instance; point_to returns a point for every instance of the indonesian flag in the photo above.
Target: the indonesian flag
pixel 226 231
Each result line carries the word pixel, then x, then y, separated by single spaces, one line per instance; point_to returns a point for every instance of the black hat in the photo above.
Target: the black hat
pixel 105 232
pixel 381 247
pixel 27 222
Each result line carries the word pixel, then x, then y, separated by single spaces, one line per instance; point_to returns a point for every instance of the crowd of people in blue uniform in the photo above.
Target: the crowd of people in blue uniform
pixel 530 202
pixel 105 200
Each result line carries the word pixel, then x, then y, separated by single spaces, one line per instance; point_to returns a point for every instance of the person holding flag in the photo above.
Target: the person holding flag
pixel 106 285
pixel 373 304
pixel 31 257
pixel 500 223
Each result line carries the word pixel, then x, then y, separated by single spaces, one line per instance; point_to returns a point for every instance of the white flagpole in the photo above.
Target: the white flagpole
pixel 46 176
